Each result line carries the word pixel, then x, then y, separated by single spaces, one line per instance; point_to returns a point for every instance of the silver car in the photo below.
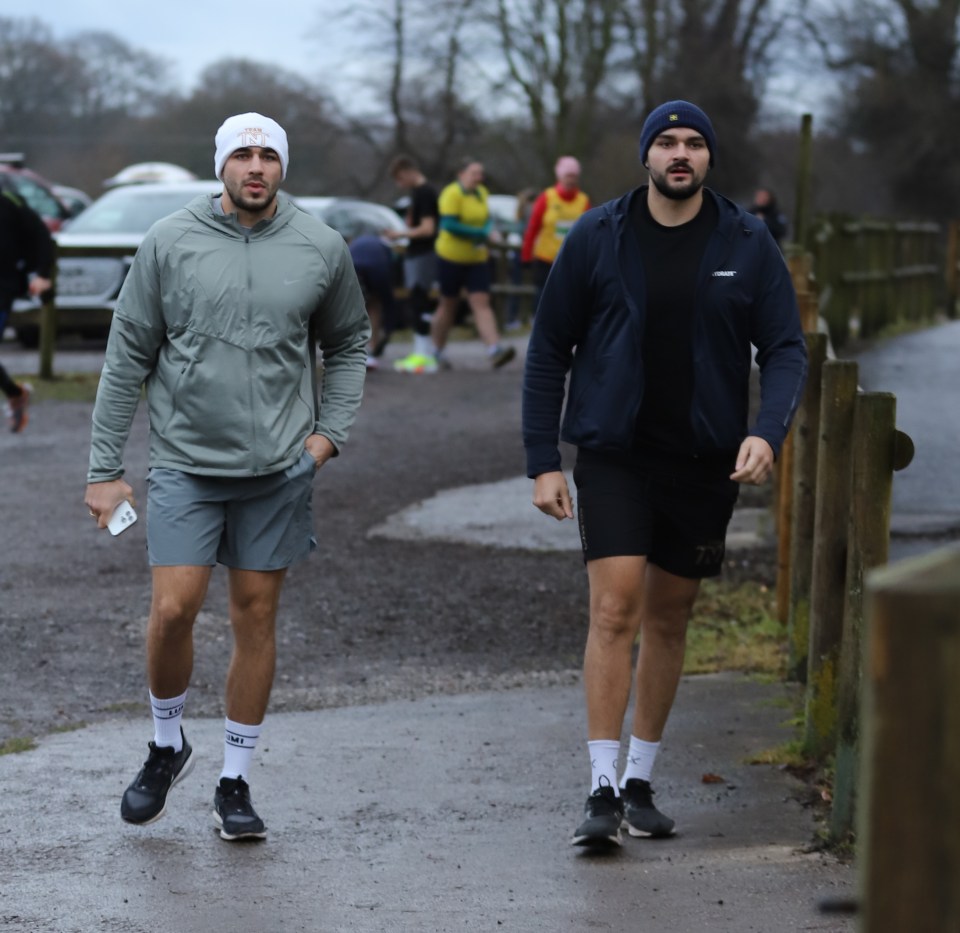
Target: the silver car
pixel 352 217
pixel 94 253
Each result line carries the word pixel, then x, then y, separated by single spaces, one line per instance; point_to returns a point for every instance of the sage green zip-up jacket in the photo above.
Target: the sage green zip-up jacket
pixel 217 322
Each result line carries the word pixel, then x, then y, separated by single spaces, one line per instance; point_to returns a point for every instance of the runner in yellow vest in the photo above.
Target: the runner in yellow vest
pixel 554 213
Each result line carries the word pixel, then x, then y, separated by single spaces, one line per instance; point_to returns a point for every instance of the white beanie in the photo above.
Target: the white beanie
pixel 250 129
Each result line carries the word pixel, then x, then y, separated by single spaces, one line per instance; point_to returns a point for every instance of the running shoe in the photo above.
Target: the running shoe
pixel 603 814
pixel 640 816
pixel 416 363
pixel 145 800
pixel 17 414
pixel 233 811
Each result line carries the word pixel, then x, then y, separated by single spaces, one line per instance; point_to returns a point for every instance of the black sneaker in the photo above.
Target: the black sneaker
pixel 502 357
pixel 601 827
pixel 145 800
pixel 640 816
pixel 234 813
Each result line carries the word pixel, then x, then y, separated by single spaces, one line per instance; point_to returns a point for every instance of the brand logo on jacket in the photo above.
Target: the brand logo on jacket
pixel 724 274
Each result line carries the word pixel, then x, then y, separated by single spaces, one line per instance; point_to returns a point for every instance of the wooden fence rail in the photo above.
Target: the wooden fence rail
pixel 873 273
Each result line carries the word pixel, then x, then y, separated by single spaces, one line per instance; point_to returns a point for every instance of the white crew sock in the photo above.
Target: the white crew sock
pixel 603 764
pixel 640 758
pixel 167 716
pixel 423 345
pixel 493 350
pixel 239 741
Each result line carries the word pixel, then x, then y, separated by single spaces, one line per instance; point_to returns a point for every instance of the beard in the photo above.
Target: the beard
pixel 255 205
pixel 676 192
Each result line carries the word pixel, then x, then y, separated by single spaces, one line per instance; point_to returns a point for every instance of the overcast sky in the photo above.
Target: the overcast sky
pixel 194 33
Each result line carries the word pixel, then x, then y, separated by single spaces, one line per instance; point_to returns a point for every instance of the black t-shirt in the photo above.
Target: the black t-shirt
pixel 671 258
pixel 423 203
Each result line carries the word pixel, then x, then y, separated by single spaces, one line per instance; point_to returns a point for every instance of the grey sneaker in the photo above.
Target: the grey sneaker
pixel 640 816
pixel 145 800
pixel 502 357
pixel 603 813
pixel 233 811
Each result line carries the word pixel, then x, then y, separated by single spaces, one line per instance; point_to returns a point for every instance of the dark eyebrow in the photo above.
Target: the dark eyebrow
pixel 249 149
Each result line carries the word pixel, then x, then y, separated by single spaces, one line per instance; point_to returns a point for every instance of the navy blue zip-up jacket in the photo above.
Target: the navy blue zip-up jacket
pixel 594 303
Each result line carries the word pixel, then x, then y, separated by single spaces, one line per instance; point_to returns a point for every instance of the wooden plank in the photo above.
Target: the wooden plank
pixel 828 578
pixel 909 811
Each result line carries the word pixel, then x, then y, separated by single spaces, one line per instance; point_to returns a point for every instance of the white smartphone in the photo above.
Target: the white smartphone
pixel 123 517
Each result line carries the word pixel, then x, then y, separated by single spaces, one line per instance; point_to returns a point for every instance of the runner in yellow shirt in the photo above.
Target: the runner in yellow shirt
pixel 463 262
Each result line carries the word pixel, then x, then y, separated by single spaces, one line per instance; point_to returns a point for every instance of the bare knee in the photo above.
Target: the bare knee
pixel 667 629
pixel 172 615
pixel 613 619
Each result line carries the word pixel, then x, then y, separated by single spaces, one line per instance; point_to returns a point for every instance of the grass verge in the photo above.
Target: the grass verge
pixel 735 628
pixel 66 387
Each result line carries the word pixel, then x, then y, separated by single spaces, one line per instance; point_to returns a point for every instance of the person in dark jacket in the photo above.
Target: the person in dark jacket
pixel 374 263
pixel 652 306
pixel 25 247
pixel 765 207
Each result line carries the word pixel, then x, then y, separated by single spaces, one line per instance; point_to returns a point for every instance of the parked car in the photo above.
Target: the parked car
pixel 351 217
pixel 96 249
pixel 95 252
pixel 73 199
pixel 34 189
pixel 144 172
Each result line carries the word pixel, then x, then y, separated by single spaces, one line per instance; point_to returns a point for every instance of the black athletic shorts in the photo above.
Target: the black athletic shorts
pixel 674 511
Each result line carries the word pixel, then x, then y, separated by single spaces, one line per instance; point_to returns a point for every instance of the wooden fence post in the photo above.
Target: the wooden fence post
pixel 909 808
pixel 874 449
pixel 953 267
pixel 48 328
pixel 828 576
pixel 801 209
pixel 806 438
pixel 801 274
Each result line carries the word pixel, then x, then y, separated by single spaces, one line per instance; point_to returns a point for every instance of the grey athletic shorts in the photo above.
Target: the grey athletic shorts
pixel 248 523
pixel 420 270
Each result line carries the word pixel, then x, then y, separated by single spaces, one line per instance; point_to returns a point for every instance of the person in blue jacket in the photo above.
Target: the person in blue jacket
pixel 375 264
pixel 651 307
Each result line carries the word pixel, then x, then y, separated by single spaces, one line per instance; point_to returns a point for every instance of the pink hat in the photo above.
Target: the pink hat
pixel 566 165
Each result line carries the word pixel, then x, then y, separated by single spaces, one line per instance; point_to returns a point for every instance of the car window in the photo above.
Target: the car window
pixel 130 210
pixel 355 218
pixel 44 203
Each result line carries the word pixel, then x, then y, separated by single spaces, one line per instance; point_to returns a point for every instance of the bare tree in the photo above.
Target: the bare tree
pixel 716 53
pixel 556 56
pixel 899 64
pixel 414 61
pixel 117 79
pixel 37 78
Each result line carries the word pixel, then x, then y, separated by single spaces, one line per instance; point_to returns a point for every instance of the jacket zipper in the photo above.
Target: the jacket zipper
pixel 257 466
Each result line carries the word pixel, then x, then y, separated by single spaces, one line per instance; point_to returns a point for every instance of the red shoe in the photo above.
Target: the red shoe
pixel 17 414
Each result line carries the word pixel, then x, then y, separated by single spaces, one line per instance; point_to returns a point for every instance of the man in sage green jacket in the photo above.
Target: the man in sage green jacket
pixel 219 320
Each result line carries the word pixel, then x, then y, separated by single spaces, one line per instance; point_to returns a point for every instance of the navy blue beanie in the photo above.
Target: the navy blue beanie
pixel 676 113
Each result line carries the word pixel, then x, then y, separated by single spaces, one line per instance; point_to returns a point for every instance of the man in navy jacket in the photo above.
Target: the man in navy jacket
pixel 652 306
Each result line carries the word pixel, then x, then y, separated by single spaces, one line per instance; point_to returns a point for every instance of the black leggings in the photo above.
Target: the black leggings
pixel 420 307
pixel 9 388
